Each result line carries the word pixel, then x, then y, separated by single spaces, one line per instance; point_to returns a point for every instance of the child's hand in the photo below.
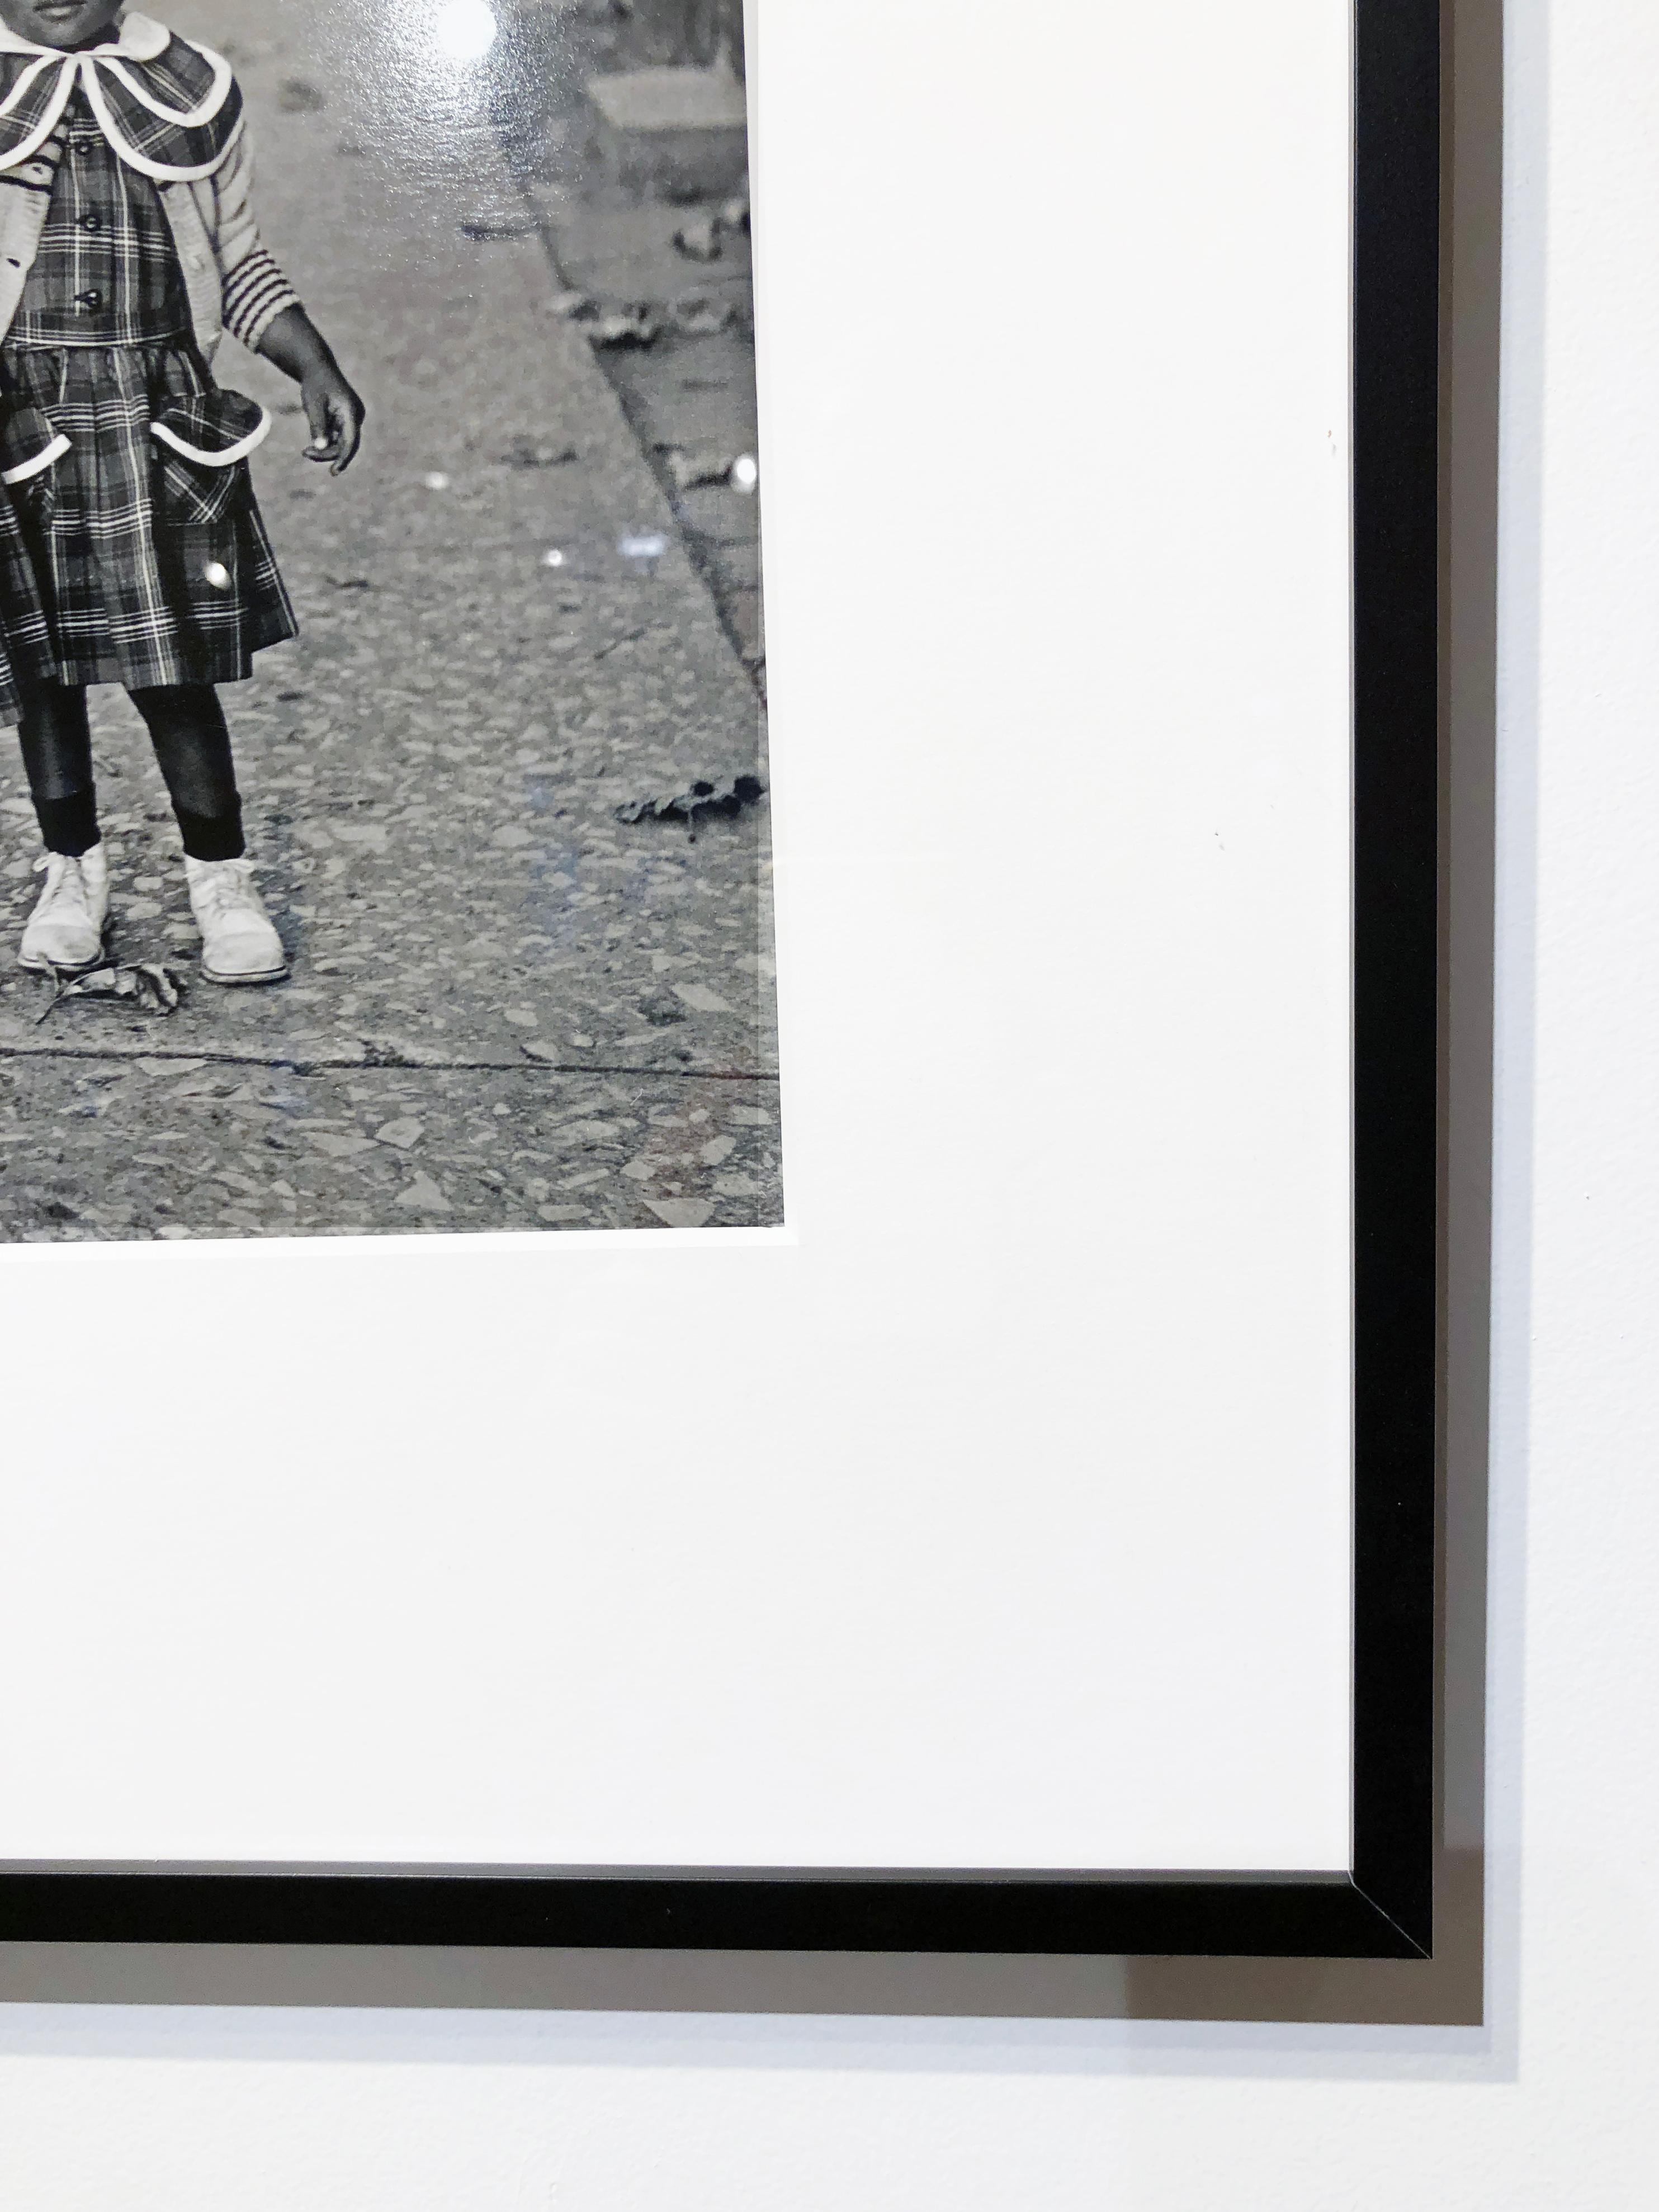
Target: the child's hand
pixel 333 410
pixel 335 414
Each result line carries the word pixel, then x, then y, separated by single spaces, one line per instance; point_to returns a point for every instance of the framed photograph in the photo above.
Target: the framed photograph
pixel 632 1325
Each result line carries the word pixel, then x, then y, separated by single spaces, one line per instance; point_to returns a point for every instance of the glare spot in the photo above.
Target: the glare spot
pixel 218 576
pixel 552 558
pixel 463 30
pixel 745 473
pixel 436 480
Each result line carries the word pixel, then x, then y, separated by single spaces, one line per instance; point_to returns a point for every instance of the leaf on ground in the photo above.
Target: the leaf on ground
pixel 625 326
pixel 502 223
pixel 701 314
pixel 699 238
pixel 148 987
pixel 705 465
pixel 539 453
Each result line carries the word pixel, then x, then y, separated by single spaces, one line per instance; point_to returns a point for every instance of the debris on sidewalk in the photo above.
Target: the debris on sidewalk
pixel 631 323
pixel 637 325
pixel 691 391
pixel 703 237
pixel 148 987
pixel 700 800
pixel 688 468
pixel 705 465
pixel 509 223
pixel 628 637
pixel 702 314
pixel 525 452
pixel 699 240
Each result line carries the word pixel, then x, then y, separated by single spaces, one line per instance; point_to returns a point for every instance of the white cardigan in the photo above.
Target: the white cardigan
pixel 231 280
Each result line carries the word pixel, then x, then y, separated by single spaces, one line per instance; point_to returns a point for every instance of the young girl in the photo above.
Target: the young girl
pixel 131 550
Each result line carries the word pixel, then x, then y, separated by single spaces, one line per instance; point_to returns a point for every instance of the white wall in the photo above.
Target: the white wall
pixel 1551 2102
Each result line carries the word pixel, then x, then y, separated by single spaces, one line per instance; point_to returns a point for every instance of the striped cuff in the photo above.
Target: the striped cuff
pixel 256 292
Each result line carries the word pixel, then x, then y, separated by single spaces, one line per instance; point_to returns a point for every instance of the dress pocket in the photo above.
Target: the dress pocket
pixel 30 449
pixel 202 446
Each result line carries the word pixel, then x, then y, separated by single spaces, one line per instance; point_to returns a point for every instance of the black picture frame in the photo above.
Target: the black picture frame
pixel 1382 1907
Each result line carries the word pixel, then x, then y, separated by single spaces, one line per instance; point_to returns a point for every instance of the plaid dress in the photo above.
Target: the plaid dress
pixel 147 567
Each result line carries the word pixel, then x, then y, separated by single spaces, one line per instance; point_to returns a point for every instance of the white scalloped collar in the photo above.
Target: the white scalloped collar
pixel 48 81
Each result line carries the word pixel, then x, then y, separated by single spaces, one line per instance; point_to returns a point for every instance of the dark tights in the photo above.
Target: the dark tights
pixel 186 727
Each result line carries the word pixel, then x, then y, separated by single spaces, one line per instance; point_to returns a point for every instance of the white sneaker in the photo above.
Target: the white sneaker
pixel 238 945
pixel 65 934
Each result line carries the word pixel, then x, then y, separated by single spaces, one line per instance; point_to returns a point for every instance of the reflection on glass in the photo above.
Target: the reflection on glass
pixel 463 30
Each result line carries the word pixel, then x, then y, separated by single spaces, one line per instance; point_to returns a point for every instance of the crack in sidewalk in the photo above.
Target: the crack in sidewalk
pixel 302 1064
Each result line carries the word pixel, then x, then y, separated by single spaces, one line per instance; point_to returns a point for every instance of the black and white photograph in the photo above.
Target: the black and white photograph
pixel 384 793
pixel 1029 1545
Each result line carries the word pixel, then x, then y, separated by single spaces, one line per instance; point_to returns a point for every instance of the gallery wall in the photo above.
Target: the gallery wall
pixel 141 2079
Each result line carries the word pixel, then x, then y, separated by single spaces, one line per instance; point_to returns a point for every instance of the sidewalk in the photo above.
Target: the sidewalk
pixel 509 1008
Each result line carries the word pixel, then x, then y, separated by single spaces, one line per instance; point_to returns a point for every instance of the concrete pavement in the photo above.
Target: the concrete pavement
pixel 509 1008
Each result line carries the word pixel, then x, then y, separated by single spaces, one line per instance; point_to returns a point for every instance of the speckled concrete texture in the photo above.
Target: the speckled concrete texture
pixel 509 1008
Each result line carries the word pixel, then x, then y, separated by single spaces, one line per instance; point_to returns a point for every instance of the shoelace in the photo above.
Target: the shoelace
pixel 228 889
pixel 65 883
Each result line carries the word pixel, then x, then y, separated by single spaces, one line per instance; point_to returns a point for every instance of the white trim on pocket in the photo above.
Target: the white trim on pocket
pixel 231 454
pixel 36 462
